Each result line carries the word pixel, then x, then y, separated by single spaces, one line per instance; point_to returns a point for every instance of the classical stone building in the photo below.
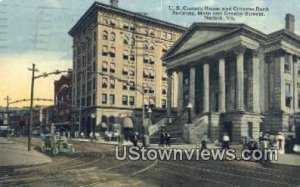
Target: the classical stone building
pixel 126 48
pixel 239 80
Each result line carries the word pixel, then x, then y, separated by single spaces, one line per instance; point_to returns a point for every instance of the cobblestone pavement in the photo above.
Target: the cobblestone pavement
pixel 95 165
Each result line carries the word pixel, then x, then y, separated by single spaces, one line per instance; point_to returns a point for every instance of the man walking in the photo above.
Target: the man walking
pixel 226 139
pixel 204 142
pixel 162 138
pixel 168 137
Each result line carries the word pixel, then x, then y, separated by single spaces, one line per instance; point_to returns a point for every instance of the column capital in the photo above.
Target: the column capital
pixel 256 52
pixel 295 58
pixel 239 49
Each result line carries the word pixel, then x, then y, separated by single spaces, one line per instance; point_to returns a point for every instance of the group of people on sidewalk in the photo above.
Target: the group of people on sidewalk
pixel 225 141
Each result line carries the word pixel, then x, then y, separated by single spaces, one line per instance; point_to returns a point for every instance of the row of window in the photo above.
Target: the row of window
pixel 128 71
pixel 129 86
pixel 105 83
pixel 126 100
pixel 149 89
pixel 111 99
pixel 131 41
pixel 112 37
pixel 127 56
pixel 148 60
pixel 132 27
pixel 148 46
pixel 111 67
pixel 106 52
pixel 126 41
pixel 149 74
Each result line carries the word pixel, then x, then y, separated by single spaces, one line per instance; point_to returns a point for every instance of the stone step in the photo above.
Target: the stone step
pixel 173 140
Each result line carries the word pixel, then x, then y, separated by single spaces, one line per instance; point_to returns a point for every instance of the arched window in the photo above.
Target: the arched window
pixel 113 36
pixel 164 91
pixel 146 46
pixel 105 35
pixel 132 41
pixel 125 40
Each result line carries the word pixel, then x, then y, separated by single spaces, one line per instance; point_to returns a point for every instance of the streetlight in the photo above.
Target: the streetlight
pixel 146 141
pixel 93 116
pixel 189 107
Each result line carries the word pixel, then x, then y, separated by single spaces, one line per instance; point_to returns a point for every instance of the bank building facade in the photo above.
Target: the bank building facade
pixel 237 80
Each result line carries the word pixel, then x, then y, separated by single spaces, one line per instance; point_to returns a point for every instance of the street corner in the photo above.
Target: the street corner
pixel 17 155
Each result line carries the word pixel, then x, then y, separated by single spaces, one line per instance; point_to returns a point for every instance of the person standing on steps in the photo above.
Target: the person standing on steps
pixel 168 138
pixel 204 142
pixel 162 138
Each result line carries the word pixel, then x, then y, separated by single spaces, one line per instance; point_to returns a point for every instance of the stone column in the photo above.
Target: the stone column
pixel 294 61
pixel 206 88
pixel 239 51
pixel 221 85
pixel 192 88
pixel 170 93
pixel 180 93
pixel 255 81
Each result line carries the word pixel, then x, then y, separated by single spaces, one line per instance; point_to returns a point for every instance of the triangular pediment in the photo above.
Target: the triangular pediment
pixel 200 33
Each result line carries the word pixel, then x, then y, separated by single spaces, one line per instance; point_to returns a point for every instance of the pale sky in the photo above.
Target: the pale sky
pixel 36 31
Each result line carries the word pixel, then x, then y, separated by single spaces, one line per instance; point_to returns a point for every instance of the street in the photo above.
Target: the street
pixel 95 165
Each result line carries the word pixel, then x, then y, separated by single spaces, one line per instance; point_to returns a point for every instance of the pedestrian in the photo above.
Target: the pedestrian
pixel 135 138
pixel 264 145
pixel 204 142
pixel 226 139
pixel 162 138
pixel 168 138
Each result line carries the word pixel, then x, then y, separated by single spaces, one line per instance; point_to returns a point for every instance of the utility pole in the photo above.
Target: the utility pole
pixel 7 109
pixel 33 70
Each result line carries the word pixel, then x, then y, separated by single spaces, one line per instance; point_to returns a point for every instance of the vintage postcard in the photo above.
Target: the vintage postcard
pixel 149 93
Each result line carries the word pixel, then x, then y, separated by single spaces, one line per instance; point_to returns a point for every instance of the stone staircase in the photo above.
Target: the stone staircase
pixel 175 129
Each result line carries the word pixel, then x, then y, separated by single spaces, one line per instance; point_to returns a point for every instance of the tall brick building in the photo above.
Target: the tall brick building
pixel 238 80
pixel 126 47
pixel 63 99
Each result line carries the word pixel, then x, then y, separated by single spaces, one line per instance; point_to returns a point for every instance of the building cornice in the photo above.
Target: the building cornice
pixel 97 6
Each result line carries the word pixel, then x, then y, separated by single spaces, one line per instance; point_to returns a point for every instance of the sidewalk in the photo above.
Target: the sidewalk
pixel 15 154
pixel 286 159
pixel 182 146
